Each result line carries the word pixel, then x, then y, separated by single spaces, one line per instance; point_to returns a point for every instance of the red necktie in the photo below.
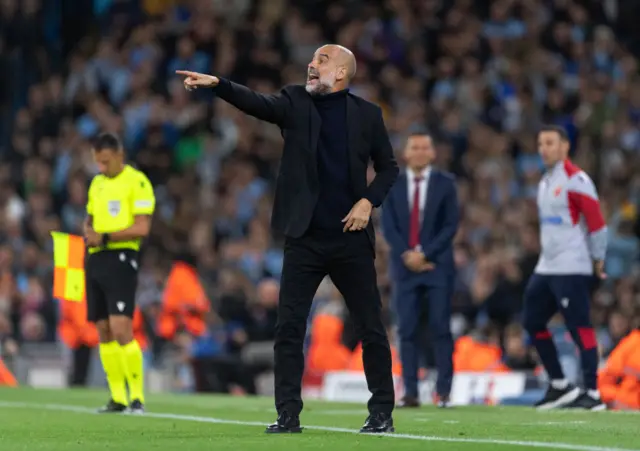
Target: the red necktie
pixel 414 219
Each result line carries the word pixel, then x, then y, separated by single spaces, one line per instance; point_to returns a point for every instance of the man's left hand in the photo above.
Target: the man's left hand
pixel 92 238
pixel 358 217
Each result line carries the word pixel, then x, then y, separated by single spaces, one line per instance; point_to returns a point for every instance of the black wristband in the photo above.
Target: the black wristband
pixel 105 239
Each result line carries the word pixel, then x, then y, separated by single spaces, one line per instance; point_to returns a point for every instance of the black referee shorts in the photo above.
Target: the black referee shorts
pixel 111 282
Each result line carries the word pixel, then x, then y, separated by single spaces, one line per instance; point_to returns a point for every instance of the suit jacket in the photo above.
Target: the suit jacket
pixel 297 186
pixel 439 226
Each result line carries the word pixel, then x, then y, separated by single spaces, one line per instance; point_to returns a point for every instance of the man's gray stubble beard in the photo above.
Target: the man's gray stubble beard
pixel 319 90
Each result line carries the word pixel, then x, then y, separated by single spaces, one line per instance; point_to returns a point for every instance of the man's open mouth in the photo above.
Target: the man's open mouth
pixel 312 77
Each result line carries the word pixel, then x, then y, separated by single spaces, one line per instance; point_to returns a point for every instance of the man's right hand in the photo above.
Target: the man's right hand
pixel 415 261
pixel 195 80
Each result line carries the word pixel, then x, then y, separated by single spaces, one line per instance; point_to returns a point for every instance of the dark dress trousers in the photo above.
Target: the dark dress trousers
pixel 427 293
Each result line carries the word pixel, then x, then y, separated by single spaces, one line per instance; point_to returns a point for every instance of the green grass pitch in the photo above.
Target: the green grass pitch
pixel 63 420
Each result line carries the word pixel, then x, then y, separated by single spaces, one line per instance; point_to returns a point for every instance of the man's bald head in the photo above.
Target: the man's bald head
pixel 332 68
pixel 346 59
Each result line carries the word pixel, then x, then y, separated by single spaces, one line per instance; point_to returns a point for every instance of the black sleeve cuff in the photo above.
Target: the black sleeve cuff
pixel 223 86
pixel 375 203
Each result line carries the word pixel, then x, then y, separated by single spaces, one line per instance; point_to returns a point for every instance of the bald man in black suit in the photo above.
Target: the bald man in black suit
pixel 323 207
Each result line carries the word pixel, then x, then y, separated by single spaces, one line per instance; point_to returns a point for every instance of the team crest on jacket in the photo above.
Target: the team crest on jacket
pixel 557 190
pixel 113 207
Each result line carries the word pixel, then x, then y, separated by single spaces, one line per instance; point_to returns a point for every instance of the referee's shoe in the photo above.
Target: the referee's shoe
pixel 136 407
pixel 113 407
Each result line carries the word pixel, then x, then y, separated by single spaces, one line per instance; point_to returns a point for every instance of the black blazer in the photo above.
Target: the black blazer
pixel 297 186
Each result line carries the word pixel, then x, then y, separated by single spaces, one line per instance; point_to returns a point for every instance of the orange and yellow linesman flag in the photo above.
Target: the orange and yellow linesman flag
pixel 68 261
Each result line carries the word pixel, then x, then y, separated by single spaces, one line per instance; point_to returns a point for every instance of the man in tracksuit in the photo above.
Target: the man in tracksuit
pixel 573 237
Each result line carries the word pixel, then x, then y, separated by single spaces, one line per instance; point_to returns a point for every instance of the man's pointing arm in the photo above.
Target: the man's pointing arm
pixel 272 108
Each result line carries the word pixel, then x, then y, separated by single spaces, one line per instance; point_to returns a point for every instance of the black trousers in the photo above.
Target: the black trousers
pixel 348 258
pixel 80 369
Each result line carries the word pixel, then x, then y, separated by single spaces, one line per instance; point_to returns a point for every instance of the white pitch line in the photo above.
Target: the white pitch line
pixel 359 412
pixel 426 438
pixel 553 423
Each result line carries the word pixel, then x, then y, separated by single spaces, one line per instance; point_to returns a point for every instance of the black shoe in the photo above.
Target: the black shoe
pixel 379 423
pixel 113 407
pixel 586 402
pixel 136 407
pixel 286 424
pixel 555 398
pixel 408 402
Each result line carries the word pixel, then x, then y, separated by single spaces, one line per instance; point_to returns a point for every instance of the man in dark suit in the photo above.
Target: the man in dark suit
pixel 420 220
pixel 323 205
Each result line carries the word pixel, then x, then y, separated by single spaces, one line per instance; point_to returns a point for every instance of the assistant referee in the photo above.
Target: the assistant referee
pixel 119 210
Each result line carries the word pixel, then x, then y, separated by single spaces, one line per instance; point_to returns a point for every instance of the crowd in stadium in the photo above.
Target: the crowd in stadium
pixel 480 77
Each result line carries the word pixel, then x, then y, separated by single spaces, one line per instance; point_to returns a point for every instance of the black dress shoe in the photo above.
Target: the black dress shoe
pixel 408 402
pixel 378 423
pixel 286 424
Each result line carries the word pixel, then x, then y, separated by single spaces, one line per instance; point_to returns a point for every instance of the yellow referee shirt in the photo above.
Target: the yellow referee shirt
pixel 115 202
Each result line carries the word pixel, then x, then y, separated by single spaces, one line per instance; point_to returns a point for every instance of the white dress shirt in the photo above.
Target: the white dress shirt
pixel 424 184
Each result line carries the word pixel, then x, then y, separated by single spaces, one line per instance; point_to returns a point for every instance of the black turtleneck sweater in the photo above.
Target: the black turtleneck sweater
pixel 336 196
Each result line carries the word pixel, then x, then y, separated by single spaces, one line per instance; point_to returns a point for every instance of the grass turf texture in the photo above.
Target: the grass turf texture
pixel 57 420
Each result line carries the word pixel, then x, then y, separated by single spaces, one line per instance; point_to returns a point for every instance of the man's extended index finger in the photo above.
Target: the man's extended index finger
pixel 188 73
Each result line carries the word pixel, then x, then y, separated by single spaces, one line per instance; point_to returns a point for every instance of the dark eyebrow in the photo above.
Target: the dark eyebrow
pixel 324 54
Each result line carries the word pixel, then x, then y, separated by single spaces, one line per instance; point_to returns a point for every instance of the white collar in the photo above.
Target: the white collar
pixel 556 168
pixel 425 173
